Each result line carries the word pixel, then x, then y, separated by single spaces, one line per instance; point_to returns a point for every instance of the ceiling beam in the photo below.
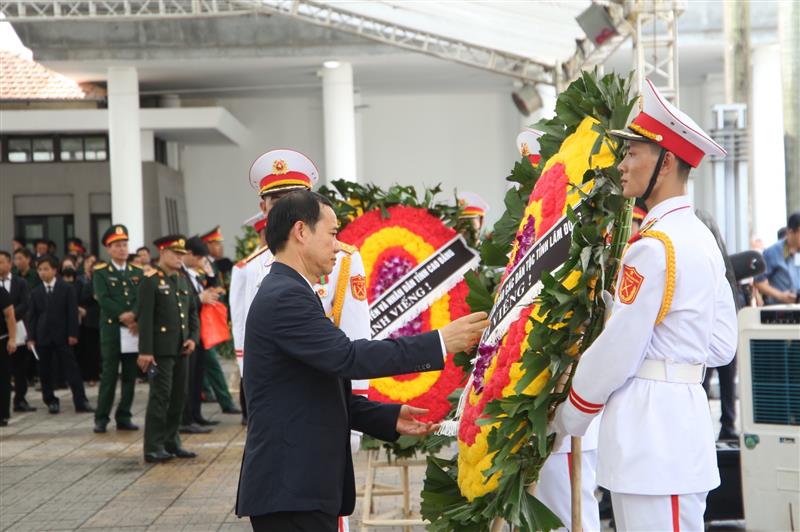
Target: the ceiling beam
pixel 330 16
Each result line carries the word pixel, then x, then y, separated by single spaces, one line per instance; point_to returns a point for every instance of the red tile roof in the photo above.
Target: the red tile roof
pixel 24 79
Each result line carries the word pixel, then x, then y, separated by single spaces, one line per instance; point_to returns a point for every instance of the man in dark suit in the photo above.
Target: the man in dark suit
pixel 20 297
pixel 193 421
pixel 297 469
pixel 54 332
pixel 8 344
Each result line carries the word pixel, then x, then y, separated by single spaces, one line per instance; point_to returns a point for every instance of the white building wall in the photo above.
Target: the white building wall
pixel 216 177
pixel 461 140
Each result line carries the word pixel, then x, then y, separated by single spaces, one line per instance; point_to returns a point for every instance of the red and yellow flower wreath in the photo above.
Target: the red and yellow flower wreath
pixel 390 247
pixel 499 367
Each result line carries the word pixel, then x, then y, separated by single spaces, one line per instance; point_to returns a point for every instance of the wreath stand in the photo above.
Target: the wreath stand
pixel 400 516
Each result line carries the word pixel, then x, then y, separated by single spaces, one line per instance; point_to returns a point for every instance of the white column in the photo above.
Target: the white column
pixel 338 108
pixel 125 152
pixel 769 164
pixel 148 145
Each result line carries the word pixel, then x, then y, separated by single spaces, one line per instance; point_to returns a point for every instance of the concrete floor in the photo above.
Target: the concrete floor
pixel 56 474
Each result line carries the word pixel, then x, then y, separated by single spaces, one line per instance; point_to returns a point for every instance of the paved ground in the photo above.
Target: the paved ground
pixel 56 474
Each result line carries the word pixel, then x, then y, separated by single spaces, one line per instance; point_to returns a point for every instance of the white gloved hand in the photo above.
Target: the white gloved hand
pixel 608 299
pixel 555 426
pixel 355 441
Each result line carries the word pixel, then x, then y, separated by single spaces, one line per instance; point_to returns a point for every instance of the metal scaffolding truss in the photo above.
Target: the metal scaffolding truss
pixel 37 10
pixel 329 16
pixel 655 43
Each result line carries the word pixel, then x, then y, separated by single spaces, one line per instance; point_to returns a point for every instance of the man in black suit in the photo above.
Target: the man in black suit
pixel 297 470
pixel 193 421
pixel 54 332
pixel 20 298
pixel 8 344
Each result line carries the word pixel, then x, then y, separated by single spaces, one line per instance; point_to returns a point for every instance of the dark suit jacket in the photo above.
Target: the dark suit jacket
pixel 87 301
pixel 20 296
pixel 53 318
pixel 300 407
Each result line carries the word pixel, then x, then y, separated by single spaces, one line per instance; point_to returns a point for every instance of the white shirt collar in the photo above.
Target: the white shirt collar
pixel 117 266
pixel 51 284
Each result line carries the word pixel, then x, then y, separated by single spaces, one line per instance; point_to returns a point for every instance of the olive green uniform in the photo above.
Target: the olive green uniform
pixel 116 292
pixel 32 277
pixel 167 318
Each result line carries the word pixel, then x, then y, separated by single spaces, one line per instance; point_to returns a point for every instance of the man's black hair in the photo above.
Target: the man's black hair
pixel 196 246
pixel 793 222
pixel 25 252
pixel 145 248
pixel 49 259
pixel 781 233
pixel 297 206
pixel 5 253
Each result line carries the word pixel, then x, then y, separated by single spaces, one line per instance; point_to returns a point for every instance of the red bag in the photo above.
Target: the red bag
pixel 214 324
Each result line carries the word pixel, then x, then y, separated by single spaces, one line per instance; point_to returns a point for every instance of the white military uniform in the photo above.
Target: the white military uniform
pixel 656 437
pixel 246 278
pixel 344 298
pixel 554 488
pixel 673 315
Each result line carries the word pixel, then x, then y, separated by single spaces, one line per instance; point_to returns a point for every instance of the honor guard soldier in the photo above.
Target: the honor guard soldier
pixel 168 334
pixel 115 286
pixel 554 486
pixel 245 277
pixel 528 145
pixel 473 212
pixel 343 292
pixel 673 315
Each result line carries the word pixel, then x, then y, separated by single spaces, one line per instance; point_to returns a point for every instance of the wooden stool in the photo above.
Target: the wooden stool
pixel 399 516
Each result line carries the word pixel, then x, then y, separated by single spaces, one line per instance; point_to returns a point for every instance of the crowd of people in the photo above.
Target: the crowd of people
pixel 79 322
pixel 76 321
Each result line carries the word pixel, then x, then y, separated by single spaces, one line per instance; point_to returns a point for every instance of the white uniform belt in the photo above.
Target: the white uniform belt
pixel 666 371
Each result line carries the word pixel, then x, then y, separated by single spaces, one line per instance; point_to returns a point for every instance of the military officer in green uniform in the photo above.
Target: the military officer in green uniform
pixel 115 289
pixel 168 333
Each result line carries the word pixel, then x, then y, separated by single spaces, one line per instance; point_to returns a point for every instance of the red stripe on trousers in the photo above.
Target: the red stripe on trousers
pixel 676 515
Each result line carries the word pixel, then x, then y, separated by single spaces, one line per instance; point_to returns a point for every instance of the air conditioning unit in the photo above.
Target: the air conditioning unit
pixel 769 381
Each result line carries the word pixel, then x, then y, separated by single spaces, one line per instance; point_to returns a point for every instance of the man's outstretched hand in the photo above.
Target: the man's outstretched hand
pixel 461 334
pixel 408 426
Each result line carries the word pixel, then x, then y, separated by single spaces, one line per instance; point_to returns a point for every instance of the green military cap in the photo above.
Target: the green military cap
pixel 176 243
pixel 114 233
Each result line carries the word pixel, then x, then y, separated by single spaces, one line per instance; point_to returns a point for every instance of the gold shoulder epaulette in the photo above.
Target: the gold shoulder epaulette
pixel 136 266
pixel 255 254
pixel 669 288
pixel 347 248
pixel 100 266
pixel 154 272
